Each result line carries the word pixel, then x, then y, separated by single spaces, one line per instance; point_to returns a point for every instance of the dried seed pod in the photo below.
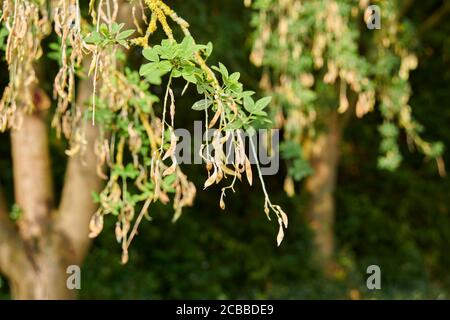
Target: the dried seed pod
pixel 173 144
pixel 95 225
pixel 280 235
pixel 211 179
pixel 248 171
pixel 118 232
pixel 221 202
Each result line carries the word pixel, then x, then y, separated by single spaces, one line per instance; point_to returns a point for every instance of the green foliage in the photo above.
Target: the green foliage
pixel 107 35
pixel 16 212
pixel 179 60
pixel 399 220
pixel 299 167
pixel 389 147
pixel 318 59
pixel 173 57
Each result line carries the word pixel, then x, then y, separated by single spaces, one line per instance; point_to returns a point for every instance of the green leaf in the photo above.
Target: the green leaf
pixel 154 79
pixel 123 43
pixel 160 68
pixel 262 103
pixel 190 78
pixel 164 66
pixel 54 56
pixel 223 70
pixel 124 34
pixel 115 27
pixel 235 76
pixel 249 104
pixel 104 29
pixel 176 73
pixel 95 38
pixel 250 131
pixel 201 105
pixel 260 113
pixel 237 124
pixel 128 172
pixel 209 49
pixel 147 68
pixel 150 54
pixel 244 94
pixel 188 73
pixel 187 47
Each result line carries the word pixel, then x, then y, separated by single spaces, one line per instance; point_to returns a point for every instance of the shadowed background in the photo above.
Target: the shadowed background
pixel 398 220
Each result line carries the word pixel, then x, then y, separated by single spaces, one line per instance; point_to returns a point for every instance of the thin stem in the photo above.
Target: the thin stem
pixel 263 184
pixel 138 221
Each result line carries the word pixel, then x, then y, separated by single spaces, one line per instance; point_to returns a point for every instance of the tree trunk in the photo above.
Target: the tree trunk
pixel 320 186
pixel 45 277
pixel 40 272
pixel 36 251
pixel 35 255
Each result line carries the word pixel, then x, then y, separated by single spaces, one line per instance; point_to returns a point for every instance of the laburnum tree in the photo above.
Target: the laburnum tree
pixel 324 67
pixel 120 135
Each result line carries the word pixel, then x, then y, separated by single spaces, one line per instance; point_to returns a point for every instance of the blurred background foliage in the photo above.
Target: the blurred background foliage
pixel 398 220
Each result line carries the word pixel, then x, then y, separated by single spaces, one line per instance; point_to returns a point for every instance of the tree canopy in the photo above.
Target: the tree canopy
pixel 92 96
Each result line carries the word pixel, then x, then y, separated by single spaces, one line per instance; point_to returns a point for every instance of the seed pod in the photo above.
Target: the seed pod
pixel 118 232
pixel 267 211
pixel 221 202
pixel 95 225
pixel 216 117
pixel 248 171
pixel 211 179
pixel 280 235
pixel 209 166
pixel 173 145
pixel 219 175
pixel 124 257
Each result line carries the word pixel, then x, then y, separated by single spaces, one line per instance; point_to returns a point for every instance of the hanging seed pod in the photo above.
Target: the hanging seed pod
pixel 222 202
pixel 280 235
pixel 248 171
pixel 118 232
pixel 211 179
pixel 95 225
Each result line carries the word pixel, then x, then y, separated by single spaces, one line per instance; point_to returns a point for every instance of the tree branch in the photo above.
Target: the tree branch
pixel 33 187
pixel 81 179
pixel 12 248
